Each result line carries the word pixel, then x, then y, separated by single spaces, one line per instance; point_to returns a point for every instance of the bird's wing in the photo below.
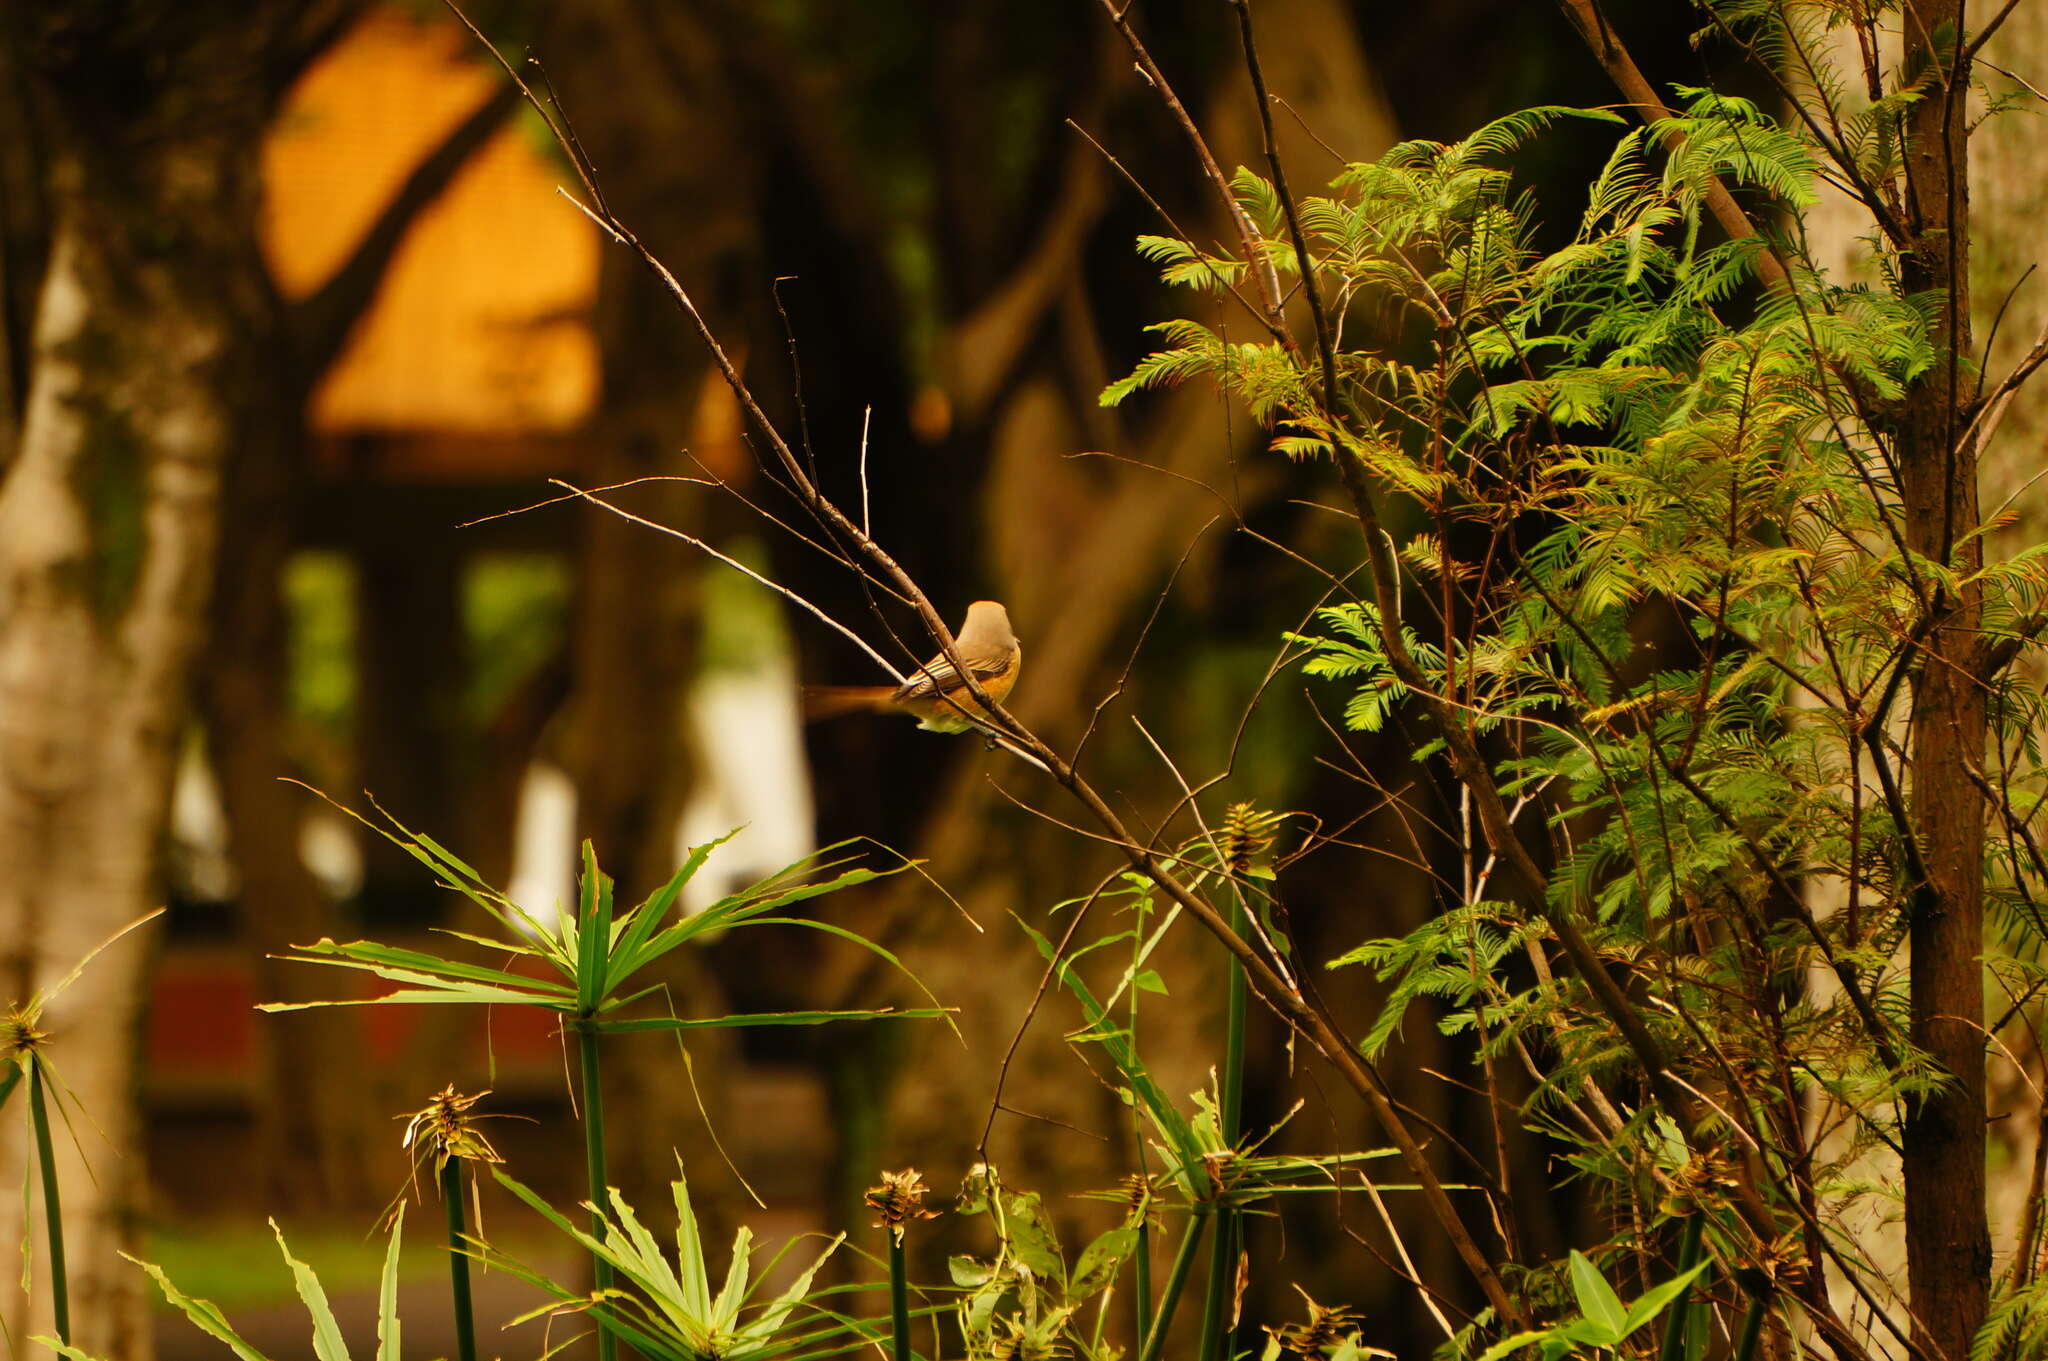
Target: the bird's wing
pixel 938 675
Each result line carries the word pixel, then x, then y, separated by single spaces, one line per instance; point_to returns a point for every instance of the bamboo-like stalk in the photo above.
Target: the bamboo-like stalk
pixel 1230 1117
pixel 458 1261
pixel 1688 1254
pixel 53 1210
pixel 594 1166
pixel 1176 1278
pixel 899 1296
pixel 1752 1329
pixel 1141 1266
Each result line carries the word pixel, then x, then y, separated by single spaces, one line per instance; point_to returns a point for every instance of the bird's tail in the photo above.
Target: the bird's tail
pixel 830 701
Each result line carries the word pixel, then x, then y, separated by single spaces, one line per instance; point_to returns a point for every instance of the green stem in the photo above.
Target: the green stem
pixel 1141 1263
pixel 60 1289
pixel 899 1296
pixel 1752 1328
pixel 458 1260
pixel 1230 1102
pixel 1175 1279
pixel 593 1159
pixel 1688 1255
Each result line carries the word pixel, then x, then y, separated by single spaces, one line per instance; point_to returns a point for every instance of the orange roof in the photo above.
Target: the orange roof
pixel 480 326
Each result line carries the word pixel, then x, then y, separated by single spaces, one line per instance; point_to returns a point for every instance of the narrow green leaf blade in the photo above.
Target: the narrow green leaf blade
pixel 767 1018
pixel 644 919
pixel 593 936
pixel 327 1343
pixel 1657 1298
pixel 387 1293
pixel 204 1314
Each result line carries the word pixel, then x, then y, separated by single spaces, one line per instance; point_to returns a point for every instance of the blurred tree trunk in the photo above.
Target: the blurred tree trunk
pixel 149 122
pixel 642 82
pixel 311 1130
pixel 304 1117
pixel 2009 199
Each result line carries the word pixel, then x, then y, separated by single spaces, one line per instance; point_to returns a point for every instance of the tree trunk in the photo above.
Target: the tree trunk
pixel 107 522
pixel 1948 1245
pixel 311 1128
pixel 150 123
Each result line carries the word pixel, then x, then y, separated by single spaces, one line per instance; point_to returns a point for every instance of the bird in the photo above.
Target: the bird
pixel 935 694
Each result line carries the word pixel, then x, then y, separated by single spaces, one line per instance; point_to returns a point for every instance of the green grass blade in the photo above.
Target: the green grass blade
pixel 387 1292
pixel 771 1318
pixel 642 920
pixel 593 932
pixel 767 1018
pixel 605 1315
pixel 696 1276
pixel 1172 1124
pixel 327 1343
pixel 466 995
pixel 447 857
pixel 204 1314
pixel 416 966
pixel 878 951
pixel 513 947
pixel 639 1258
pixel 725 1310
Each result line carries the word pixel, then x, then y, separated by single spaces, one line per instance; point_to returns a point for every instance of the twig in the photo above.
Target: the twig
pixel 1621 68
pixel 1308 1018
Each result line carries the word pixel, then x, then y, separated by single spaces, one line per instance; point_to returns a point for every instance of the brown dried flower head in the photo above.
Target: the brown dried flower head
pixel 1326 1328
pixel 1247 833
pixel 19 1035
pixel 898 1200
pixel 1138 1191
pixel 444 1129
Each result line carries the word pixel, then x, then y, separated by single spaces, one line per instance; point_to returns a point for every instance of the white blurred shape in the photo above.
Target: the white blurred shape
pixel 199 830
pixel 327 845
pixel 751 775
pixel 544 843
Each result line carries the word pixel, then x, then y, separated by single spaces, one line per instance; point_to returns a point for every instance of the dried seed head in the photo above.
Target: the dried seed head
pixel 1704 1182
pixel 1326 1328
pixel 1226 1169
pixel 898 1200
pixel 19 1035
pixel 1246 834
pixel 445 1129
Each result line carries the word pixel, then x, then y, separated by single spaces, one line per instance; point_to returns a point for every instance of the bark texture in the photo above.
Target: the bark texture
pixel 148 119
pixel 1948 1244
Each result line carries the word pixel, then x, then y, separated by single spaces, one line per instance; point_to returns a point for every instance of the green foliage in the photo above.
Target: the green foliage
pixel 1604 1323
pixel 594 952
pixel 515 615
pixel 327 1342
pixel 668 1307
pixel 319 595
pixel 1652 565
pixel 1027 1300
pixel 2016 1327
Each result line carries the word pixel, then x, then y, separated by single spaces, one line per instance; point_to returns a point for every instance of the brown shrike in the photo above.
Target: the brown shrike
pixel 935 694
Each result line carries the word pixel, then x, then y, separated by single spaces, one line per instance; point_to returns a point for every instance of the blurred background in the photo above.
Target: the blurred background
pixel 296 313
